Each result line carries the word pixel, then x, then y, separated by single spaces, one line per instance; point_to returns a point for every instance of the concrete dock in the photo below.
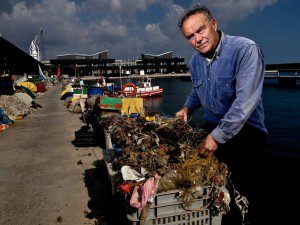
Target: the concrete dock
pixel 41 181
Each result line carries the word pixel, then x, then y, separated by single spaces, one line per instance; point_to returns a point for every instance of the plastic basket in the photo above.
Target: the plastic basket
pixel 167 209
pixel 188 218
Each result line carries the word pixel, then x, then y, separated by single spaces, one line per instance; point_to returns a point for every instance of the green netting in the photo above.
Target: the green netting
pixel 111 103
pixel 80 91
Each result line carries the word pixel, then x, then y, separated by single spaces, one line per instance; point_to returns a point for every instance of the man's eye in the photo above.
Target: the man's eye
pixel 192 37
pixel 202 31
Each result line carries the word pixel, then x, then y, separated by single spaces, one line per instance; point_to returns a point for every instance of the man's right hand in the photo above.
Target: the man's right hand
pixel 183 113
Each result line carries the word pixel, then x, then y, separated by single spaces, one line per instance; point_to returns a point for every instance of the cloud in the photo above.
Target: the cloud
pixel 169 27
pixel 88 26
pixel 154 33
pixel 231 10
pixel 117 7
pixel 66 29
pixel 107 31
pixel 7 5
pixel 57 17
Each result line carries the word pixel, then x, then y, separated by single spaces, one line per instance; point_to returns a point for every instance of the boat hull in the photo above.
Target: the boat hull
pixel 144 92
pixel 148 94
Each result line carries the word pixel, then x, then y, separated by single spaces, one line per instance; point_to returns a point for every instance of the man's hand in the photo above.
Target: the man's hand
pixel 208 146
pixel 183 113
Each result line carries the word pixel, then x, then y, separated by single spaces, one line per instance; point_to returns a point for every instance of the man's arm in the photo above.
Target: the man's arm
pixel 249 84
pixel 192 103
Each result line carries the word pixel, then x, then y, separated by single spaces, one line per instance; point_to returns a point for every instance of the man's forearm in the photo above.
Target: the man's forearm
pixel 192 101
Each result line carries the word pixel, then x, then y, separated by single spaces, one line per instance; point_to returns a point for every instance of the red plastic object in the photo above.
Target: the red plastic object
pixel 125 188
pixel 40 87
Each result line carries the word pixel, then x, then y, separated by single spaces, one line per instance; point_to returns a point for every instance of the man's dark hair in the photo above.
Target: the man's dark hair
pixel 197 9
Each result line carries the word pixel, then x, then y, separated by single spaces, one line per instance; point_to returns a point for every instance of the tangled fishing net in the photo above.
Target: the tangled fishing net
pixel 170 148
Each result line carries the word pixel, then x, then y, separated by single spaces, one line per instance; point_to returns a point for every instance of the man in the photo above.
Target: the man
pixel 227 73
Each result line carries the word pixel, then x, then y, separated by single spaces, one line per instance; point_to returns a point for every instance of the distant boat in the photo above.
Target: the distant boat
pixel 144 89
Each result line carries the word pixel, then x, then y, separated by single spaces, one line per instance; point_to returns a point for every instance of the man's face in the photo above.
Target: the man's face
pixel 201 33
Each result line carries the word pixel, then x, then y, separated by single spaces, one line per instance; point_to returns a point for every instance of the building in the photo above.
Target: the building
pixel 99 64
pixel 150 64
pixel 83 64
pixel 162 63
pixel 15 61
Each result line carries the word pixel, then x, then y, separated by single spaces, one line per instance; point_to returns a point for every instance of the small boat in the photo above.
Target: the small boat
pixel 144 89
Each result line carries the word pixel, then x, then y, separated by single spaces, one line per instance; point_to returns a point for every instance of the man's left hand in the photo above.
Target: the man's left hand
pixel 208 146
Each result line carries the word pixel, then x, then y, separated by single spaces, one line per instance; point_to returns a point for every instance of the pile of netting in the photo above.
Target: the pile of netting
pixel 18 105
pixel 169 148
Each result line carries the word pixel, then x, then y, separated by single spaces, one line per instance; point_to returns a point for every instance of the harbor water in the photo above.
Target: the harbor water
pixel 282 112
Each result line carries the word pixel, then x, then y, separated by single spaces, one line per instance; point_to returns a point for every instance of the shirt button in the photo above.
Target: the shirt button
pixel 208 79
pixel 210 92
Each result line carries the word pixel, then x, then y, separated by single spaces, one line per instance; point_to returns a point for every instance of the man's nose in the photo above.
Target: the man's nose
pixel 198 37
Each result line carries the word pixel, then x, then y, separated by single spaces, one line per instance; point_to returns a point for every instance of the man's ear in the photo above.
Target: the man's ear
pixel 214 24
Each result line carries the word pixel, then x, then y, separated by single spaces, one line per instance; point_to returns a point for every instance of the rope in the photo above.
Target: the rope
pixel 241 202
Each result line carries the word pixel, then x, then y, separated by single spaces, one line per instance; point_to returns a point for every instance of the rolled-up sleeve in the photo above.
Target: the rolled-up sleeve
pixel 249 84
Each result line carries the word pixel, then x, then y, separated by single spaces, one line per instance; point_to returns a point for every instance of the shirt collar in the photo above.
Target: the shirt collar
pixel 218 49
pixel 221 43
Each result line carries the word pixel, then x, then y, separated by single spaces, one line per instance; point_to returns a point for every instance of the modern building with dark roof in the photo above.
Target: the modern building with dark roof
pixel 151 63
pixel 98 63
pixel 83 64
pixel 162 63
pixel 97 55
pixel 15 60
pixel 166 55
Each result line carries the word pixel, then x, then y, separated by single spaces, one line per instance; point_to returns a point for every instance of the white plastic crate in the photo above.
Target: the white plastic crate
pixel 167 209
pixel 188 218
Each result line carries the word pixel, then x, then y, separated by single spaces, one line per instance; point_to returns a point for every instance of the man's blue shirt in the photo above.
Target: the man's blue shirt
pixel 229 87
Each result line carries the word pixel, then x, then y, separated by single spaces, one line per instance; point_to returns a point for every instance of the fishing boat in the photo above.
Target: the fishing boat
pixel 144 89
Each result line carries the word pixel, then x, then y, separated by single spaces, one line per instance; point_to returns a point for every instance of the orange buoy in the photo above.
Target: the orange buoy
pixel 131 92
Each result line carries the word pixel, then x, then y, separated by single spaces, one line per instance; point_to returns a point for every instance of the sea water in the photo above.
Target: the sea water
pixel 282 118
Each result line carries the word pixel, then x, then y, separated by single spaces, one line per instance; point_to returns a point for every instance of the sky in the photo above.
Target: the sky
pixel 127 28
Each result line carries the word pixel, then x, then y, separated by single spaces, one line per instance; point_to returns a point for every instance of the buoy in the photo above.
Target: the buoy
pixel 131 92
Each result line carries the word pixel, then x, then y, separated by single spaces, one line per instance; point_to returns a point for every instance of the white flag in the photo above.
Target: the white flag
pixel 41 73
